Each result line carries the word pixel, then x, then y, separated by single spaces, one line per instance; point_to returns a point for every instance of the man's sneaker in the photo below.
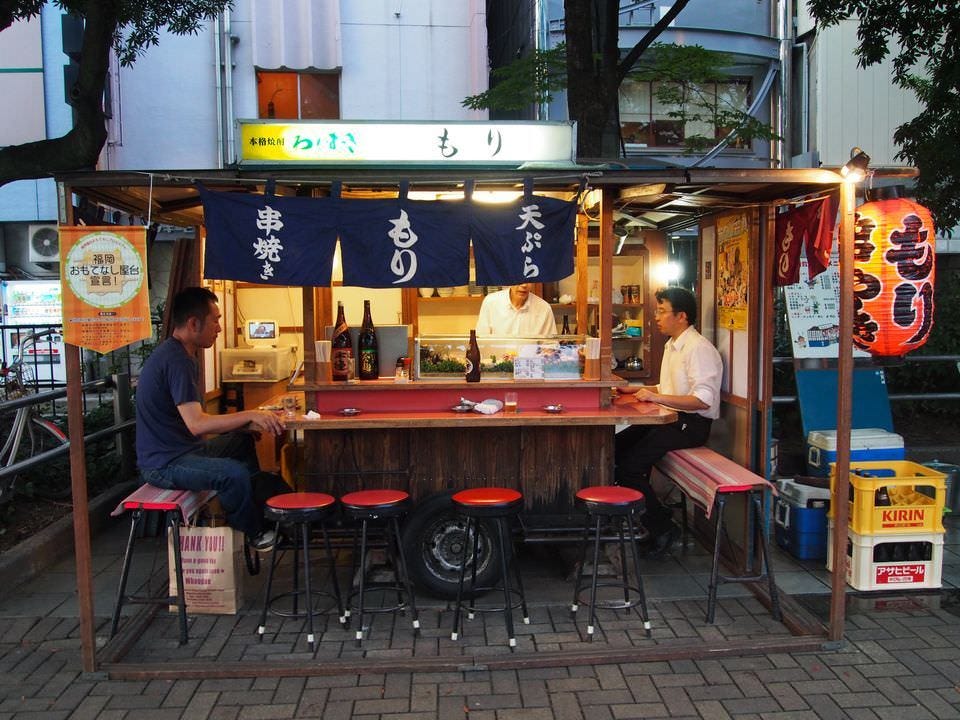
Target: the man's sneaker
pixel 264 541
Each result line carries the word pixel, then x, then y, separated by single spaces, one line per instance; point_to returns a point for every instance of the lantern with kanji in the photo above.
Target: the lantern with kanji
pixel 893 276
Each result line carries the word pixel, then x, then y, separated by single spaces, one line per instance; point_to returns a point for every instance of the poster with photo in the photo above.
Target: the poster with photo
pixel 733 267
pixel 813 311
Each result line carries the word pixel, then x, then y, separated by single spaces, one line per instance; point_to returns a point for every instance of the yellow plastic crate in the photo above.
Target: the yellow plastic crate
pixel 917 495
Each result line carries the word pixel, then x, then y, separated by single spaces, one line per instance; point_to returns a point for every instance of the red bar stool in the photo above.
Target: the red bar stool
pixel 371 506
pixel 617 506
pixel 499 505
pixel 303 511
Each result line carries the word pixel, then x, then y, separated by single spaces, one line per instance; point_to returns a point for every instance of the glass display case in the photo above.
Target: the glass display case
pixel 559 358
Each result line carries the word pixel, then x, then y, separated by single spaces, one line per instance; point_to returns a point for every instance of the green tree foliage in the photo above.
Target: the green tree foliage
pixel 922 37
pixel 128 27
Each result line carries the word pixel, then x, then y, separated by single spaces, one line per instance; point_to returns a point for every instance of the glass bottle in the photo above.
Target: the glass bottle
pixel 368 360
pixel 594 296
pixel 341 351
pixel 566 325
pixel 882 497
pixel 472 359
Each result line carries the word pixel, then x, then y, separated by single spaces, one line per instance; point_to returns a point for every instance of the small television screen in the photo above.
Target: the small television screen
pixel 261 332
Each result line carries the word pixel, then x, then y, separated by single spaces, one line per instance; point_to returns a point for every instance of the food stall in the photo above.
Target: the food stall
pixel 408 433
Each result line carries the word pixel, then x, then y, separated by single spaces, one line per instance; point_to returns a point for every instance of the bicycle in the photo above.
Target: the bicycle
pixel 30 435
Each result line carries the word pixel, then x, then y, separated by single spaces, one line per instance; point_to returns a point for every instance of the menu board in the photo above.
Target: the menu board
pixel 813 311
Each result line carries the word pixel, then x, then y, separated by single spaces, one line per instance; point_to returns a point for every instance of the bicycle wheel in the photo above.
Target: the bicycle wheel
pixel 49 480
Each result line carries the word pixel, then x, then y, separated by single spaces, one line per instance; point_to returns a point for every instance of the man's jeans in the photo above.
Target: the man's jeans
pixel 225 464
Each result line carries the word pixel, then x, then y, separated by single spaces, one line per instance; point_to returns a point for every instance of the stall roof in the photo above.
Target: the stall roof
pixel 665 199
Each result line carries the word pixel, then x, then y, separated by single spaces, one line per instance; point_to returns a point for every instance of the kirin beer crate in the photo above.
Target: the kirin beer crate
pixel 891 562
pixel 894 497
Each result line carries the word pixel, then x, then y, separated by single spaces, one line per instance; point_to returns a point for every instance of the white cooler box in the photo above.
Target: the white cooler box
pixel 866 444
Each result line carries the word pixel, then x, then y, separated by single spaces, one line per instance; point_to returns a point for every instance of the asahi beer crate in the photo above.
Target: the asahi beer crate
pixel 893 497
pixel 891 562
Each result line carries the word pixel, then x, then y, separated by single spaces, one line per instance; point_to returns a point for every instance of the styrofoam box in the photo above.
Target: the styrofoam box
pixel 863 573
pixel 865 444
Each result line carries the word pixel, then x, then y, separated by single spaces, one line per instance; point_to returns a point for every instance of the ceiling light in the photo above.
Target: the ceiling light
pixel 856 168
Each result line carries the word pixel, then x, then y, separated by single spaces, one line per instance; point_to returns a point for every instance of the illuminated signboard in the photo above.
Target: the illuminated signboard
pixel 339 142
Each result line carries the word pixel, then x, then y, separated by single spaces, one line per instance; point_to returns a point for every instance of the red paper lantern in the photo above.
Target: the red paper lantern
pixel 893 276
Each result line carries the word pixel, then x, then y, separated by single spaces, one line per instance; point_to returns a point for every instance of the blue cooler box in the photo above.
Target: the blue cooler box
pixel 866 444
pixel 800 519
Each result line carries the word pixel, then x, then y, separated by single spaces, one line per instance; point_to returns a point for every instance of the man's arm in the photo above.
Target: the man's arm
pixel 200 423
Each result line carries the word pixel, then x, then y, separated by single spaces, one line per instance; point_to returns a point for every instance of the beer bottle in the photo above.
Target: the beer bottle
pixel 566 325
pixel 881 497
pixel 473 359
pixel 341 351
pixel 368 362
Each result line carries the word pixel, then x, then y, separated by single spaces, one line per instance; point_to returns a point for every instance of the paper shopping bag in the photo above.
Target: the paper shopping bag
pixel 213 570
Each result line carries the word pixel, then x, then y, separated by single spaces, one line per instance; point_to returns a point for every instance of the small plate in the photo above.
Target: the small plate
pixel 553 409
pixel 462 408
pixel 350 412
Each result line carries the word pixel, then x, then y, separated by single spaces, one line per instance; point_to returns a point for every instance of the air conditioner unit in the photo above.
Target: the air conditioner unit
pixel 43 244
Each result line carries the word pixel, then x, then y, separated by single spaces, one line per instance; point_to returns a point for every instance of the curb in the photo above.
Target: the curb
pixel 43 549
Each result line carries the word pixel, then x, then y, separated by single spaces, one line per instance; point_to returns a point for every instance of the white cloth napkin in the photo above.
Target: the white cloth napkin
pixel 488 406
pixel 311 415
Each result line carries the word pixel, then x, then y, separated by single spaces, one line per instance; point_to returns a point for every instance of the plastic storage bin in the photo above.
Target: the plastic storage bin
pixel 866 444
pixel 894 497
pixel 801 530
pixel 257 364
pixel 885 562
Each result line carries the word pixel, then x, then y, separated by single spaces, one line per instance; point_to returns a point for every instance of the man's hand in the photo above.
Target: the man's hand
pixel 646 395
pixel 266 421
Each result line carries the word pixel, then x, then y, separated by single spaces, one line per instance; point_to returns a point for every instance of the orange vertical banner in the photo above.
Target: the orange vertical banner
pixel 103 277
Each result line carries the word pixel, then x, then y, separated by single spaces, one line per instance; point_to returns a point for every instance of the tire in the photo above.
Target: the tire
pixel 433 536
pixel 51 480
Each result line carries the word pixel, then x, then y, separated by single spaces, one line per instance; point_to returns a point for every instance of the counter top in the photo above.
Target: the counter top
pixel 449 384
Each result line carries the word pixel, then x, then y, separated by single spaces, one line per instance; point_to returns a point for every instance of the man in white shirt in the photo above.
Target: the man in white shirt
pixel 516 312
pixel 690 376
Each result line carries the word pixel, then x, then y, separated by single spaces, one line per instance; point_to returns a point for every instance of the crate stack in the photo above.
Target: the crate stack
pixel 895 532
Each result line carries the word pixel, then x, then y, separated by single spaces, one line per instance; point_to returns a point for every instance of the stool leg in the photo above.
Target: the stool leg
pixel 767 563
pixel 516 575
pixel 575 605
pixel 401 566
pixel 622 548
pixel 363 563
pixel 135 522
pixel 262 627
pixel 331 558
pixel 636 566
pixel 454 634
pixel 307 598
pixel 475 524
pixel 173 520
pixel 593 583
pixel 507 596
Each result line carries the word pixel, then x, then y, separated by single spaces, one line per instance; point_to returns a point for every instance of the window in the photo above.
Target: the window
pixel 648 112
pixel 298 96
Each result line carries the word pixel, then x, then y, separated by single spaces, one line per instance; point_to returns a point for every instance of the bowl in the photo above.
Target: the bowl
pixel 555 409
pixel 426 292
pixel 462 408
pixel 350 412
pixel 461 291
pixel 445 292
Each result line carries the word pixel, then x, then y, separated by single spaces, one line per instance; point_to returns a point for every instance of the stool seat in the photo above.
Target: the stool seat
pixel 616 506
pixel 614 498
pixel 375 503
pixel 487 501
pixel 299 506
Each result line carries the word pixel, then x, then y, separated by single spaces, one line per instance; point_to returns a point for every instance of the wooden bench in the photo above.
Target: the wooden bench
pixel 178 506
pixel 709 479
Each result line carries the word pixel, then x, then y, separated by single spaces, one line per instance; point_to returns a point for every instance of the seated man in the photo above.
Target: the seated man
pixel 516 312
pixel 690 376
pixel 172 451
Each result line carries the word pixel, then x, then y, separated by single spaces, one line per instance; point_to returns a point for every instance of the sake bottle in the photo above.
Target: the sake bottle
pixel 566 325
pixel 473 359
pixel 341 351
pixel 368 362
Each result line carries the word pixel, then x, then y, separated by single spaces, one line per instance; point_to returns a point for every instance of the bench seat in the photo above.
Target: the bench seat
pixel 708 479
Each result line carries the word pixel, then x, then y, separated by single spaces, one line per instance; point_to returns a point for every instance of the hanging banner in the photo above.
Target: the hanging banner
pixel 269 239
pixel 103 278
pixel 530 240
pixel 733 268
pixel 404 243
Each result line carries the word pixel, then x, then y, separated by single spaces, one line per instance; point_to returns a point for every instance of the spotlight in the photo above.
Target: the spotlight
pixel 856 168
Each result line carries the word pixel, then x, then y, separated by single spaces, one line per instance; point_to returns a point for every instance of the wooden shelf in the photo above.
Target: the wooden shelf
pixel 452 298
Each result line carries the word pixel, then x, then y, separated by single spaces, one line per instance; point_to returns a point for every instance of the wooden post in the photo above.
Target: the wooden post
pixel 605 306
pixel 841 486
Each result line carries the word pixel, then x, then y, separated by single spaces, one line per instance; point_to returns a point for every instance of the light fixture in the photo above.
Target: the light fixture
pixel 856 168
pixel 620 233
pixel 638 191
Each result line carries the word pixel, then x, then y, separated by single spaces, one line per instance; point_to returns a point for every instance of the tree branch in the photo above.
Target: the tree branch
pixel 630 59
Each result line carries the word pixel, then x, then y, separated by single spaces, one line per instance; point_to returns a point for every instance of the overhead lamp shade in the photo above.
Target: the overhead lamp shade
pixel 894 264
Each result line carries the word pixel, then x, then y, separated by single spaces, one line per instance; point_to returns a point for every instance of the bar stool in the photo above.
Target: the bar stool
pixel 499 505
pixel 375 505
pixel 302 510
pixel 616 505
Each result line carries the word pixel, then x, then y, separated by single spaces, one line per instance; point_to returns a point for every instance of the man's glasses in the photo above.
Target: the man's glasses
pixel 661 311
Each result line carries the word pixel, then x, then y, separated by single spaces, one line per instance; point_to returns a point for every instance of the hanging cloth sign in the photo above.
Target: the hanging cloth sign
pixel 103 280
pixel 530 240
pixel 404 243
pixel 811 225
pixel 269 239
